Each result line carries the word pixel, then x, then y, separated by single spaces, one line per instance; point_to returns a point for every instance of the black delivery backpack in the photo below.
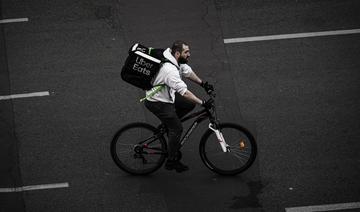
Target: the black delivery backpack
pixel 142 65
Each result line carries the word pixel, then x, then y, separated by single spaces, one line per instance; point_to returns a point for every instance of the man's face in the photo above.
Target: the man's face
pixel 184 55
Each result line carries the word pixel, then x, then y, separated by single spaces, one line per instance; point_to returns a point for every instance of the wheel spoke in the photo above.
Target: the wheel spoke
pixel 218 153
pixel 239 157
pixel 120 144
pixel 239 152
pixel 125 151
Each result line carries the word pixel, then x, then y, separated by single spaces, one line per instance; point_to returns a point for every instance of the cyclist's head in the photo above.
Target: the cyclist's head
pixel 181 51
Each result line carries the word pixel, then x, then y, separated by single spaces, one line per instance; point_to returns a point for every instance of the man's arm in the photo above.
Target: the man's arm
pixel 191 97
pixel 193 77
pixel 207 86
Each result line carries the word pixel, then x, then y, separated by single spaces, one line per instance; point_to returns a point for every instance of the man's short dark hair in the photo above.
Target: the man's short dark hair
pixel 178 46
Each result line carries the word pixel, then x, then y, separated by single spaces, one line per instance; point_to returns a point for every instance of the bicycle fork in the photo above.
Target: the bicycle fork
pixel 221 139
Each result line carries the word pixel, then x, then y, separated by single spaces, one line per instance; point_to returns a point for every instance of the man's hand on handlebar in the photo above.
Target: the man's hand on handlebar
pixel 209 88
pixel 208 104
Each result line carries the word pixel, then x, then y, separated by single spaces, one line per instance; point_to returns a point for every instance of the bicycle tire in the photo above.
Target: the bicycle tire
pixel 132 157
pixel 242 154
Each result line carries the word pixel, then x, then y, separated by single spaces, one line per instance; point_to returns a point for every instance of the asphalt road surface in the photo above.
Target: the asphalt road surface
pixel 299 97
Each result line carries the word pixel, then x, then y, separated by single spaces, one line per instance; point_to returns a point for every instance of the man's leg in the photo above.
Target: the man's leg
pixel 182 105
pixel 167 114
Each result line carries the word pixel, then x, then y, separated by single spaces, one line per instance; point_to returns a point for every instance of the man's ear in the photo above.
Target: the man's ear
pixel 177 54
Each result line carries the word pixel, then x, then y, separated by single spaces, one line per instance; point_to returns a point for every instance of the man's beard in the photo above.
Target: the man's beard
pixel 182 60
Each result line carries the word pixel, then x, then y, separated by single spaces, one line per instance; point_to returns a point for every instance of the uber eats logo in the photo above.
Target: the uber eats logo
pixel 142 66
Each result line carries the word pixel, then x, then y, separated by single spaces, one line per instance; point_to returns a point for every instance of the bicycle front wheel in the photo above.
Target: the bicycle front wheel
pixel 240 153
pixel 138 149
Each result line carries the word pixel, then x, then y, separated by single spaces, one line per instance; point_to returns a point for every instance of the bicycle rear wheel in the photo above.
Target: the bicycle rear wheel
pixel 241 151
pixel 138 149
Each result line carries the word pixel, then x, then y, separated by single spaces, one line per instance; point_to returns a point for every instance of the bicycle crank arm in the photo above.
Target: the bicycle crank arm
pixel 220 137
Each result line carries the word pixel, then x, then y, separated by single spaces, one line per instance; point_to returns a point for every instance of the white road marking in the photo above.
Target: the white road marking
pixel 26 95
pixel 330 207
pixel 34 187
pixel 13 20
pixel 291 36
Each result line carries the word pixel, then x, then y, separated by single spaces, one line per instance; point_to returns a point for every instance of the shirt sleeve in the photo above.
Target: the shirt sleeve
pixel 174 81
pixel 185 70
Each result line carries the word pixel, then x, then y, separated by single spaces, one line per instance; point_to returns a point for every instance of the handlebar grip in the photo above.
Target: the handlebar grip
pixel 211 93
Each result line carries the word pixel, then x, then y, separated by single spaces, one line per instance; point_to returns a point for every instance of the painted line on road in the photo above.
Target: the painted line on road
pixel 330 207
pixel 34 187
pixel 26 95
pixel 13 20
pixel 291 36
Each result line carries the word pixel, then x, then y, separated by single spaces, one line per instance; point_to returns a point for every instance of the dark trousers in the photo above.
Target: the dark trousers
pixel 170 115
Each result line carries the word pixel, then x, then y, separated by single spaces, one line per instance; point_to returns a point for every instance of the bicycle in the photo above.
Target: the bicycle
pixel 225 148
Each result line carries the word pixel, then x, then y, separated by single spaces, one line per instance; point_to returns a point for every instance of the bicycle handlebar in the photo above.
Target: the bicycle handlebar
pixel 211 95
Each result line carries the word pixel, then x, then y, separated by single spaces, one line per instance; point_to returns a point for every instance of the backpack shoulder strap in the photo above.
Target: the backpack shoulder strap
pixel 168 61
pixel 158 53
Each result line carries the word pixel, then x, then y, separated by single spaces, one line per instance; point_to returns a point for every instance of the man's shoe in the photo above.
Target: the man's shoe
pixel 175 164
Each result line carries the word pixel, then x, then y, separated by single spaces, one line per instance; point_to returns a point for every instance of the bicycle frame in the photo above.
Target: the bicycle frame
pixel 213 125
pixel 200 117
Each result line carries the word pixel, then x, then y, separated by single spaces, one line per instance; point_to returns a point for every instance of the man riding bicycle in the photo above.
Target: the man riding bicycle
pixel 174 100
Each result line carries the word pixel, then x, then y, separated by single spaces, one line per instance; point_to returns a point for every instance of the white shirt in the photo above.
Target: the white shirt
pixel 170 75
